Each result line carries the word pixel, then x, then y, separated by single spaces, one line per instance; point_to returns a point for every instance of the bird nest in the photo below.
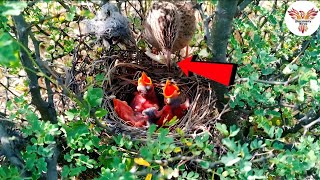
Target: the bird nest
pixel 121 70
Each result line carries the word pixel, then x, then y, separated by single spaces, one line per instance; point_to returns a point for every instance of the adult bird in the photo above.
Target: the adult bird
pixel 145 97
pixel 173 104
pixel 169 27
pixel 110 25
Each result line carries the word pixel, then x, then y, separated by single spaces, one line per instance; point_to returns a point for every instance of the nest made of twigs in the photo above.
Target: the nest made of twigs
pixel 122 68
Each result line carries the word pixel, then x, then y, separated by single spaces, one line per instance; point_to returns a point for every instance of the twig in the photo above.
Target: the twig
pixel 271 82
pixel 224 110
pixel 265 20
pixel 165 162
pixel 5 87
pixel 47 34
pixel 305 45
pixel 141 17
pixel 262 159
pixel 41 21
pixel 63 5
pixel 206 19
pixel 243 5
pixel 303 122
pixel 308 126
pixel 46 109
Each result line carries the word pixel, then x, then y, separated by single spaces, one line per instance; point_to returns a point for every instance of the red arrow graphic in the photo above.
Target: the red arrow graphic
pixel 223 73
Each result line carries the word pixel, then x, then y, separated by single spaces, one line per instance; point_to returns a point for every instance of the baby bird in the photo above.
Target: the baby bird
pixel 169 27
pixel 145 97
pixel 173 104
pixel 126 113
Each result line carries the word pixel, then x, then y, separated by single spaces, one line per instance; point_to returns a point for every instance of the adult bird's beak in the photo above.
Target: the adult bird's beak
pixel 167 56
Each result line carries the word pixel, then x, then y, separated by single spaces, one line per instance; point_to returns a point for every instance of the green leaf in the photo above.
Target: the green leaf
pixel 245 166
pixel 311 155
pixel 278 133
pixel 65 171
pixel 9 51
pixel 94 96
pixel 230 159
pixel 229 143
pixel 199 143
pixel 152 129
pixel 89 145
pixel 255 144
pixel 71 114
pixel 278 146
pixel 272 20
pixel 314 85
pixel 172 122
pixel 300 93
pixel 205 164
pixel 207 151
pixel 234 131
pixel 70 16
pixel 67 157
pixel 12 8
pixel 222 128
pixel 290 68
pixel 100 112
pixel 146 153
pixel 42 165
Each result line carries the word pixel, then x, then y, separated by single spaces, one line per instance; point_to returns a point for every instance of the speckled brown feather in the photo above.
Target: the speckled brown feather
pixel 187 25
pixel 169 27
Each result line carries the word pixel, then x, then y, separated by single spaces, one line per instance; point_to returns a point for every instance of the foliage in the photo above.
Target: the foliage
pixel 276 97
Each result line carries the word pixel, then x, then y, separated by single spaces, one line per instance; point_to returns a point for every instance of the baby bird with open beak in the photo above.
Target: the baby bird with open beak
pixel 173 104
pixel 145 97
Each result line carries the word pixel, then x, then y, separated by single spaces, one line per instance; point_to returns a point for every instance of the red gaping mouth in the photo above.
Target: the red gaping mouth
pixel 144 79
pixel 170 89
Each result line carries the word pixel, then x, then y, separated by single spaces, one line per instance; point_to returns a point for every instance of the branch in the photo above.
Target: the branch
pixel 290 80
pixel 165 162
pixel 206 20
pixel 310 119
pixel 308 126
pixel 6 88
pixel 46 109
pixel 221 29
pixel 52 163
pixel 305 45
pixel 242 6
pixel 22 37
pixel 51 109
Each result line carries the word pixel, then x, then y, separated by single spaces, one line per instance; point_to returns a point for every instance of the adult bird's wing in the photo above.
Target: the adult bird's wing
pixel 311 14
pixel 294 14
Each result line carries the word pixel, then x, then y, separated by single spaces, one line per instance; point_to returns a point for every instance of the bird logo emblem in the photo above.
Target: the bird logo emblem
pixel 303 18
